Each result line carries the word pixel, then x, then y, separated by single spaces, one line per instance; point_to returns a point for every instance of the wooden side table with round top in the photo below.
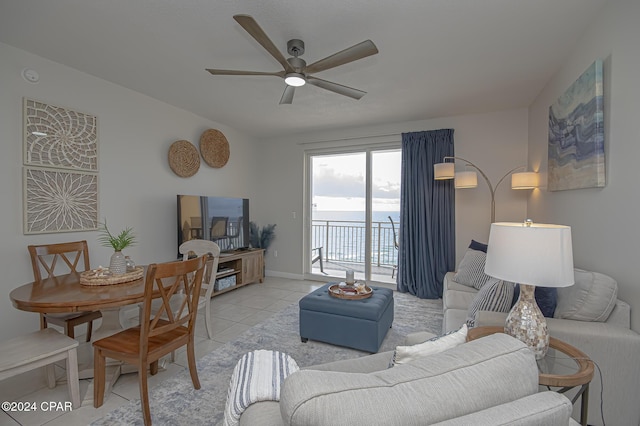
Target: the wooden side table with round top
pixel 554 372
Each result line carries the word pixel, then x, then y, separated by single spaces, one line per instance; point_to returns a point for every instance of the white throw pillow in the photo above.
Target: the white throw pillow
pixel 405 354
pixel 591 298
pixel 495 296
pixel 471 269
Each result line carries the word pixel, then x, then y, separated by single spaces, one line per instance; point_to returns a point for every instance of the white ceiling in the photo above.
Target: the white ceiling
pixel 437 57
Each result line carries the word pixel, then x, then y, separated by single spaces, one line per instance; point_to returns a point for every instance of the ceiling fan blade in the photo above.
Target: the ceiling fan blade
pixel 350 54
pixel 336 88
pixel 287 96
pixel 251 26
pixel 236 72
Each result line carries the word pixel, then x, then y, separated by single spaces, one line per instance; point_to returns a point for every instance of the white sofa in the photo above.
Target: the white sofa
pixel 610 343
pixel 486 382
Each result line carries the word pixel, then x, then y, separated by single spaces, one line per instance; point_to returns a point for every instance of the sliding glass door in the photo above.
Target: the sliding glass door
pixel 353 199
pixel 385 214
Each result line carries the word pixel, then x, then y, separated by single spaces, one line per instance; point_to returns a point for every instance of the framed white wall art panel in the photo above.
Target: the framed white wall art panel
pixel 59 200
pixel 60 177
pixel 59 137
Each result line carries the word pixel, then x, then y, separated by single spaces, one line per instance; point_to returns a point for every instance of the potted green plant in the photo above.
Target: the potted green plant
pixel 126 238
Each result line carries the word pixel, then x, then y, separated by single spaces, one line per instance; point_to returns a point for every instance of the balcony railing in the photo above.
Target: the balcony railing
pixel 344 241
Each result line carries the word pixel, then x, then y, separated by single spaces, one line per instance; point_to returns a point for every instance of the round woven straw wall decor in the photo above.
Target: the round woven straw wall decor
pixel 184 159
pixel 214 148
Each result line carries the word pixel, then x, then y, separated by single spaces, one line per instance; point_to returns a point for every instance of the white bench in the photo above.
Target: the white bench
pixel 41 349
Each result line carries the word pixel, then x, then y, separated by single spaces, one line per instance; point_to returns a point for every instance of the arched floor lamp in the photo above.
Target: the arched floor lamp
pixel 469 178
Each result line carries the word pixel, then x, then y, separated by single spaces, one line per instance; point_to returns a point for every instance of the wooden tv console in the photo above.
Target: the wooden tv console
pixel 246 265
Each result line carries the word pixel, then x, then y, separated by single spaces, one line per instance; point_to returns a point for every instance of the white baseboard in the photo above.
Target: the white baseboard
pixel 279 274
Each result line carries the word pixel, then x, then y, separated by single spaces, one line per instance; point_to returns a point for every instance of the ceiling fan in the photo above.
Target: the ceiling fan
pixel 296 71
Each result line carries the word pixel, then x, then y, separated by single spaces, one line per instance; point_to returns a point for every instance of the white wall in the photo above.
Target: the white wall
pixel 137 187
pixel 603 220
pixel 495 142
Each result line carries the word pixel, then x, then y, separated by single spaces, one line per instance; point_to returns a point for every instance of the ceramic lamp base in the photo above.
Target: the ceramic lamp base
pixel 527 324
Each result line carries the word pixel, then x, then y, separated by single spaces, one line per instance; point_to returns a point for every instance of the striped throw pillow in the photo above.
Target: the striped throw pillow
pixel 471 270
pixel 495 296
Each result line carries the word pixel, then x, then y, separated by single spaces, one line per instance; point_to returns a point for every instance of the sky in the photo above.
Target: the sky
pixel 339 181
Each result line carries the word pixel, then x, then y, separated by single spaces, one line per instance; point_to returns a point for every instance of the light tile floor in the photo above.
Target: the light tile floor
pixel 232 313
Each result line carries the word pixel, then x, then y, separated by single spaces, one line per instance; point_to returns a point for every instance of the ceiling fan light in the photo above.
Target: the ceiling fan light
pixel 295 79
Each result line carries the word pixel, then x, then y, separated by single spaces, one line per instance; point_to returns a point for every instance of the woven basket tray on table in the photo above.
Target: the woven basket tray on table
pixel 95 277
pixel 350 292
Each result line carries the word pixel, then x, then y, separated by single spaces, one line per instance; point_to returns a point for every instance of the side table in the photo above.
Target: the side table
pixel 555 373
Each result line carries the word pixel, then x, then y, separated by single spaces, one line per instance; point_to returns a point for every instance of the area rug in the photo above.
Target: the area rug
pixel 176 402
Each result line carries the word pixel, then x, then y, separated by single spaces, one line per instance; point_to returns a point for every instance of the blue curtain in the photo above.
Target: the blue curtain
pixel 427 215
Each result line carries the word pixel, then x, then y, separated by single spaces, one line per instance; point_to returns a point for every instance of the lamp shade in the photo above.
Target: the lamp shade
pixel 442 171
pixel 524 180
pixel 534 253
pixel 466 179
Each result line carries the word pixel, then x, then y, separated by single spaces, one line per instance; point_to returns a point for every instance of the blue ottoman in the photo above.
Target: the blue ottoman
pixel 359 324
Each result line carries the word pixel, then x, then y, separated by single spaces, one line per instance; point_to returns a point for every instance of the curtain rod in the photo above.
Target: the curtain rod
pixel 351 138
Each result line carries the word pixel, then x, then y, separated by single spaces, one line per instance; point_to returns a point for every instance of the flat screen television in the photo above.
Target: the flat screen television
pixel 224 220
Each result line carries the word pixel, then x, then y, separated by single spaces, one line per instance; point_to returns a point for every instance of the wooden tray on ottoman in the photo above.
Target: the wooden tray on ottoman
pixel 349 292
pixel 90 278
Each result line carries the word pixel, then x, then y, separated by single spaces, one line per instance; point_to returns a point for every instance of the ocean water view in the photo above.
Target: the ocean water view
pixel 341 234
pixel 337 215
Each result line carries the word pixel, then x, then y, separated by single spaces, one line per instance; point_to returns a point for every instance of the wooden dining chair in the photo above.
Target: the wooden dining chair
pixel 159 334
pixel 58 259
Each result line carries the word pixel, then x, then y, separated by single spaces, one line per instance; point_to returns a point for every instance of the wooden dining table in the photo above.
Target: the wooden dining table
pixel 64 293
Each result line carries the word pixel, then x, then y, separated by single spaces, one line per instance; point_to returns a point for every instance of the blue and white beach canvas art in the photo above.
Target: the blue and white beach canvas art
pixel 576 134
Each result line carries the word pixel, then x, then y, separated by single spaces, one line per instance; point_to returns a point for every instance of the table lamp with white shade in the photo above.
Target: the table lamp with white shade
pixel 531 254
